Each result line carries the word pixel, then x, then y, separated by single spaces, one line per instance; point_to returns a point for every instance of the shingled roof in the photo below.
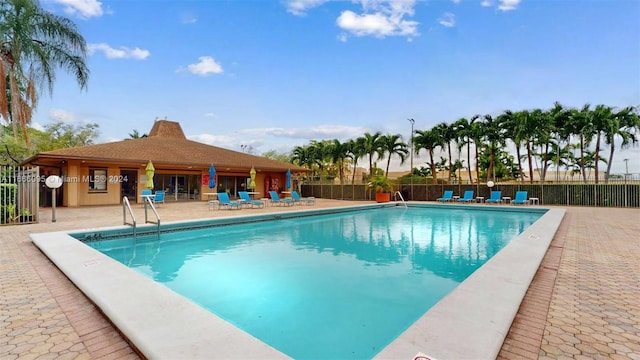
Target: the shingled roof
pixel 165 145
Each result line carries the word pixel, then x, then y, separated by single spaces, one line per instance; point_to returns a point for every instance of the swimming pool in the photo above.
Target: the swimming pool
pixel 385 253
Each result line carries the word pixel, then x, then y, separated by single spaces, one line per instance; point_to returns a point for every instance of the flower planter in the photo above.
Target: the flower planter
pixel 383 197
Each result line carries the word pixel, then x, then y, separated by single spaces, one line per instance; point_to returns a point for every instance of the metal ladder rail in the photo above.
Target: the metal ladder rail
pixel 127 206
pixel 148 201
pixel 398 193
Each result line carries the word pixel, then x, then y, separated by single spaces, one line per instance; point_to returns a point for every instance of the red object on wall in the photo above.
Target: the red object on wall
pixel 205 179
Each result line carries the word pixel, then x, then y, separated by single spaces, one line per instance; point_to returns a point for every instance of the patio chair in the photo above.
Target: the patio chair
pixel 297 199
pixel 496 197
pixel 468 196
pixel 521 198
pixel 246 199
pixel 224 200
pixel 276 200
pixel 158 197
pixel 146 192
pixel 447 196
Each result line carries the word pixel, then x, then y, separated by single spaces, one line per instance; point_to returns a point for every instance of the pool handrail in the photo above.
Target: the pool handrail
pixel 127 206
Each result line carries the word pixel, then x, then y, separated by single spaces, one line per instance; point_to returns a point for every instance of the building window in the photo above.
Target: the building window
pixel 97 179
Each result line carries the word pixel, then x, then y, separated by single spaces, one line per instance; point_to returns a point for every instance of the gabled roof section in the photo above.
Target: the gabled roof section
pixel 166 145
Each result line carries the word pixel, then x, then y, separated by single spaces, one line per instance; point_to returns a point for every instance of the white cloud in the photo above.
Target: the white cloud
pixel 507 5
pixel 82 8
pixel 59 115
pixel 342 37
pixel 380 19
pixel 188 18
pixel 120 53
pixel 447 20
pixel 317 133
pixel 211 115
pixel 486 3
pixel 300 7
pixel 456 1
pixel 205 67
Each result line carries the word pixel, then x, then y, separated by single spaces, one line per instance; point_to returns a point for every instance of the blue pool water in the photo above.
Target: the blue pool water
pixel 329 286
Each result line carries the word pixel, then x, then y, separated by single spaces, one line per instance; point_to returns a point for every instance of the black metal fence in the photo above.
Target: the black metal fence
pixel 602 195
pixel 19 195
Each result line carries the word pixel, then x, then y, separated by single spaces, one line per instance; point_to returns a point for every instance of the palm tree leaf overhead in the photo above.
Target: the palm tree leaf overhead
pixel 33 45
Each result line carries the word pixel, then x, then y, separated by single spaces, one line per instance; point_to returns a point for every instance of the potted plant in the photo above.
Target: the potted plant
pixel 25 216
pixel 382 187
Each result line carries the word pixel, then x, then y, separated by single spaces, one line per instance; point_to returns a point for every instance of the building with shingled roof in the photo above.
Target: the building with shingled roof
pixel 181 169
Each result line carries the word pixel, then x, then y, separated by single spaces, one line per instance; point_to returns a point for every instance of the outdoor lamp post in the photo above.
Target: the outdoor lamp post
pixel 411 145
pixel 626 169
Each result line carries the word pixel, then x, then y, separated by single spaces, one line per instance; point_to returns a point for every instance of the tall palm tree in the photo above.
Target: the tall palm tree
pixel 493 136
pixel 33 44
pixel 356 151
pixel 372 146
pixel 428 140
pixel 475 133
pixel 624 124
pixel 339 155
pixel 463 135
pixel 514 130
pixel 561 118
pixel 542 138
pixel 447 133
pixel 581 125
pixel 393 145
pixel 602 119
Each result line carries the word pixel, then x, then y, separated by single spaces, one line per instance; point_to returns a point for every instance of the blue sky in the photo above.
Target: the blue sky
pixel 273 75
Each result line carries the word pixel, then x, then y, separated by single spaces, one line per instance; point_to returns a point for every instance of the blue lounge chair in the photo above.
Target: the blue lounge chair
pixel 496 197
pixel 297 199
pixel 146 192
pixel 468 196
pixel 158 197
pixel 521 198
pixel 448 196
pixel 246 199
pixel 276 200
pixel 224 200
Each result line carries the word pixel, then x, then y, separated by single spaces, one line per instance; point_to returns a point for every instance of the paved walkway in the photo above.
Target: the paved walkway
pixel 584 302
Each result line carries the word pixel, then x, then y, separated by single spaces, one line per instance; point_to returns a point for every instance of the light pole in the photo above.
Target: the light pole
pixel 411 145
pixel 626 169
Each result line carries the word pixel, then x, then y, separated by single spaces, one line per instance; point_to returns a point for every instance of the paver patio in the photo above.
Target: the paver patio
pixel 584 302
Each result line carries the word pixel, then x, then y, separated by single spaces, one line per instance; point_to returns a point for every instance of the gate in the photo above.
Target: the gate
pixel 19 195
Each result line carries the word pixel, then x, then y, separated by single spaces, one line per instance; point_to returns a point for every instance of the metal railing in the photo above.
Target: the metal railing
pixel 20 188
pixel 601 195
pixel 127 206
pixel 148 202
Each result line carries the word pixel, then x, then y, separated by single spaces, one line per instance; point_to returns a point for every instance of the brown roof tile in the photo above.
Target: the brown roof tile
pixel 165 146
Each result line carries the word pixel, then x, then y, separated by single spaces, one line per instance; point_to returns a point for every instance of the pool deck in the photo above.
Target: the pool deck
pixel 583 303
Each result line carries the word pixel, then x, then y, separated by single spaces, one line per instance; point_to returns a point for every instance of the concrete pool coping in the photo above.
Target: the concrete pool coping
pixel 162 324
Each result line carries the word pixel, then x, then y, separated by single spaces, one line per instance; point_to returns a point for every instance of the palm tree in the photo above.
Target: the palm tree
pixel 356 151
pixel 338 153
pixel 463 135
pixel 602 119
pixel 541 132
pixel 560 118
pixel 624 124
pixel 447 132
pixel 393 145
pixel 493 135
pixel 301 155
pixel 475 133
pixel 514 130
pixel 428 140
pixel 33 43
pixel 371 146
pixel 581 125
pixel 135 134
